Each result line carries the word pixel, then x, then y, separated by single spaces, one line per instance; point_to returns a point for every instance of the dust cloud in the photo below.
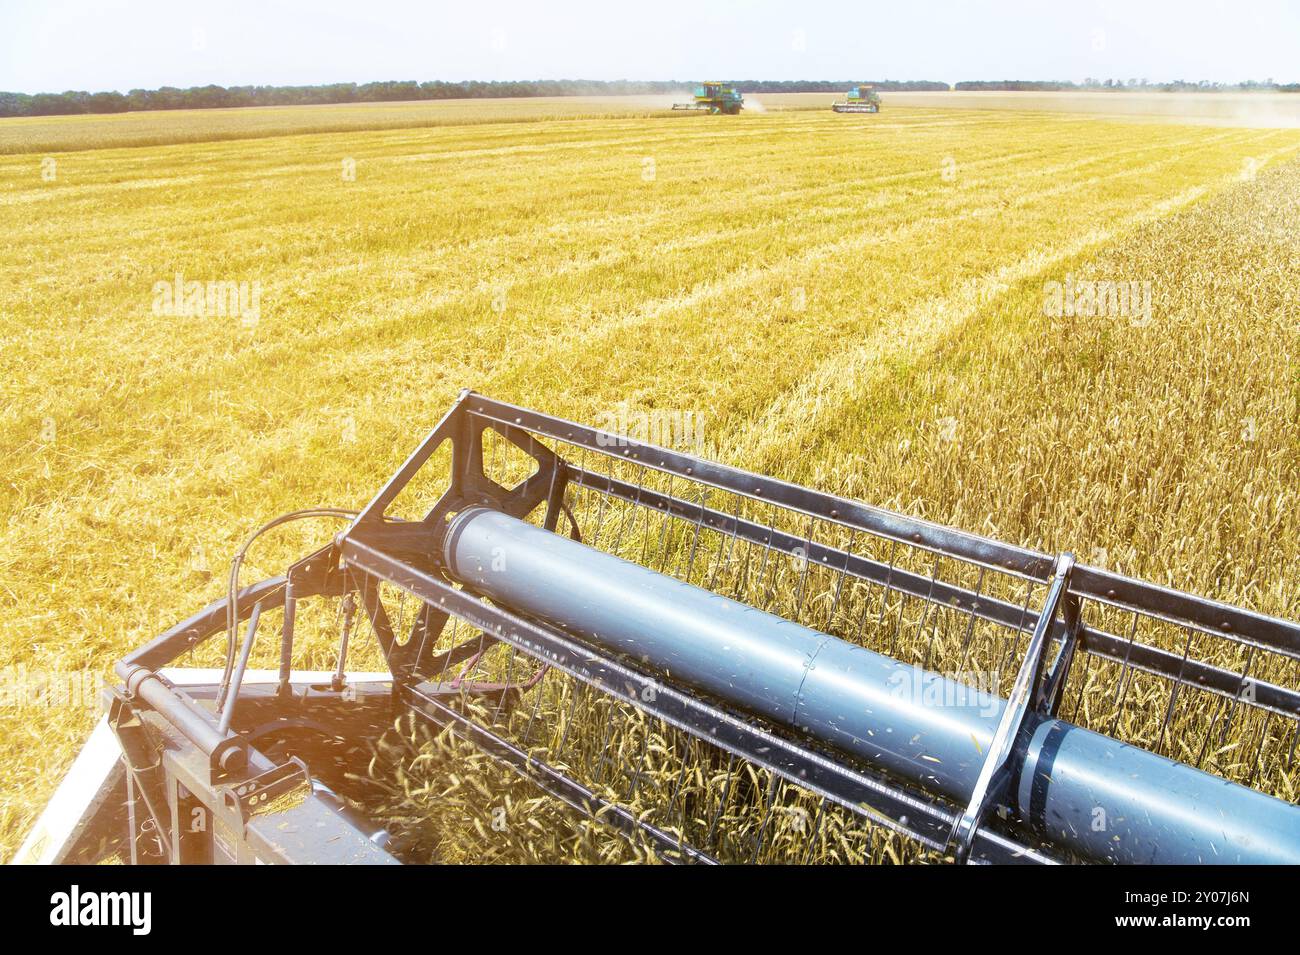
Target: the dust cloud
pixel 1255 110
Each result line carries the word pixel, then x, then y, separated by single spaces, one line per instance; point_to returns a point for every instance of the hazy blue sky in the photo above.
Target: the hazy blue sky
pixel 115 44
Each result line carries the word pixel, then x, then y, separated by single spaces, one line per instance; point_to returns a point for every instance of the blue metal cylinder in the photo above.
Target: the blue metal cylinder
pixel 1084 791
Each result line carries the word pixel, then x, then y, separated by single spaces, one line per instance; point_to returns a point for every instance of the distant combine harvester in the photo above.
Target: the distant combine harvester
pixel 715 97
pixel 860 99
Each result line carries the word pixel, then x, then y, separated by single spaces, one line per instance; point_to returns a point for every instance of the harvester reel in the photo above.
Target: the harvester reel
pixel 718 666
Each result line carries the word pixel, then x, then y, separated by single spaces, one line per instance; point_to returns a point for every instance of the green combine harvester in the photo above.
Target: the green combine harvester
pixel 715 97
pixel 860 99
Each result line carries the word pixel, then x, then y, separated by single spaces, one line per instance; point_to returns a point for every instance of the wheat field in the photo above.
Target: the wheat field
pixel 852 302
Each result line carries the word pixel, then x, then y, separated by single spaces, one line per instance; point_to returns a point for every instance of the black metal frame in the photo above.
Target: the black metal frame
pixel 180 807
pixel 377 551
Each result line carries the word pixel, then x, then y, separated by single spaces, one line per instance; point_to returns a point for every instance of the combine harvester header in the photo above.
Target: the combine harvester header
pixel 567 595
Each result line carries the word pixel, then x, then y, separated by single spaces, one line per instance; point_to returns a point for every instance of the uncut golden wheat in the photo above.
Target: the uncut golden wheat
pixel 823 289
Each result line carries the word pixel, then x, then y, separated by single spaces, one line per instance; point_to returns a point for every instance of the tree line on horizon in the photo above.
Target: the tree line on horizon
pixel 1141 85
pixel 221 97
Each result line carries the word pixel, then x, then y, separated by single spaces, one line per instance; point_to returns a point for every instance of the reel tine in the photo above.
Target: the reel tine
pixel 1173 694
